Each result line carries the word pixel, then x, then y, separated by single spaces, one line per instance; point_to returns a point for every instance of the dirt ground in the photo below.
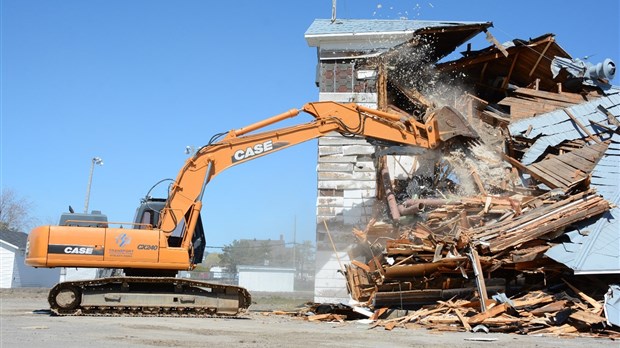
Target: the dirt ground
pixel 25 321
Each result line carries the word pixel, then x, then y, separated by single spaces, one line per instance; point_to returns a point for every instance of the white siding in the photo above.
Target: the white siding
pixel 330 285
pixel 30 277
pixel 14 273
pixel 7 260
pixel 344 165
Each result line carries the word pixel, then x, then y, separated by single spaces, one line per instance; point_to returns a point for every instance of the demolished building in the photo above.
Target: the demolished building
pixel 531 201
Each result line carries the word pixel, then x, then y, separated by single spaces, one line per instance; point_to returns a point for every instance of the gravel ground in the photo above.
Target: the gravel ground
pixel 26 322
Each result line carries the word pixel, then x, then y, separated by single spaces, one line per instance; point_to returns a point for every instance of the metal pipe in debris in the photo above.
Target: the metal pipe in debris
pixel 411 209
pixel 389 194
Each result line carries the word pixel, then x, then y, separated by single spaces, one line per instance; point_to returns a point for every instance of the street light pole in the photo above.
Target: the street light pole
pixel 97 161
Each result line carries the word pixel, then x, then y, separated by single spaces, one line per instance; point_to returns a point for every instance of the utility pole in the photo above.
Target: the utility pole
pixel 97 161
pixel 295 243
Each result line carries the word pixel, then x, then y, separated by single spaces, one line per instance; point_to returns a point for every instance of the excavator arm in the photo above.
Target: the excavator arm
pixel 239 146
pixel 151 256
pixel 147 248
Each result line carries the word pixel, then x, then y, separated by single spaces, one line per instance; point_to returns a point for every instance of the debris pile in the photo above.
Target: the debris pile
pixel 461 238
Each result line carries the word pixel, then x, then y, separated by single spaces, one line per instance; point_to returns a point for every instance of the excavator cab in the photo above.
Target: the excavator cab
pixel 147 216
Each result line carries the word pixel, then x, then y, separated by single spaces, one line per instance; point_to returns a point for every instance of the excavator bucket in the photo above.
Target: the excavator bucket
pixel 451 123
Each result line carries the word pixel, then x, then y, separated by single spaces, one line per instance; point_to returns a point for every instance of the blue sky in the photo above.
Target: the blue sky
pixel 135 82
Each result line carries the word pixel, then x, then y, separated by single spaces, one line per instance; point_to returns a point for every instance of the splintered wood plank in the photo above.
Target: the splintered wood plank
pixel 532 301
pixel 592 153
pixel 611 119
pixel 530 255
pixel 587 317
pixel 550 308
pixel 482 289
pixel 476 177
pixel 572 98
pixel 352 282
pixel 361 265
pixel 556 330
pixel 526 169
pixel 462 319
pixel 512 66
pixel 576 161
pixel 542 169
pixel 501 320
pixel 492 312
pixel 389 326
pixel 527 227
pixel 582 127
pixel 561 169
pixel 440 319
pixel 378 313
pixel 568 169
pixel 318 317
pixel 476 304
pixel 595 304
pixel 542 54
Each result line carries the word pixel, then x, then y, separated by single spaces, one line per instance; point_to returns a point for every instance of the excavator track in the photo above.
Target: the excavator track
pixel 148 296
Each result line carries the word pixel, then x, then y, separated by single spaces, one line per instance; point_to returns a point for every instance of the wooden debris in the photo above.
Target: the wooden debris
pixel 470 251
pixel 587 317
pixel 597 306
pixel 326 317
pixel 494 311
pixel 428 267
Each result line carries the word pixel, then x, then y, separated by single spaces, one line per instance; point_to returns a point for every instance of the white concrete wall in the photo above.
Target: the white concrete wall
pixel 73 273
pixel 267 279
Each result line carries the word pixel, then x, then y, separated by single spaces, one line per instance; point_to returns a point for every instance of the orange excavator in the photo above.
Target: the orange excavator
pixel 167 234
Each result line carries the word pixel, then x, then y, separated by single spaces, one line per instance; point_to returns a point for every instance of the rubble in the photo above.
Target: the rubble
pixel 465 248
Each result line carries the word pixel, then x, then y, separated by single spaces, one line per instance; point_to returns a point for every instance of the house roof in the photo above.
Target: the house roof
pixel 594 245
pixel 369 37
pixel 16 239
pixel 348 27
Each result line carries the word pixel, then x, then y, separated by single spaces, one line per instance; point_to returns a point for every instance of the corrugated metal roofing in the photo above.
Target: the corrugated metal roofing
pixel 594 246
pixel 555 127
pixel 366 26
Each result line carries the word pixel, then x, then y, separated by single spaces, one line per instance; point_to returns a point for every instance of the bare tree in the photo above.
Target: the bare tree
pixel 15 211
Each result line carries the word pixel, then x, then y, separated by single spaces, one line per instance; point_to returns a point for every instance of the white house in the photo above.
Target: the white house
pixel 13 271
